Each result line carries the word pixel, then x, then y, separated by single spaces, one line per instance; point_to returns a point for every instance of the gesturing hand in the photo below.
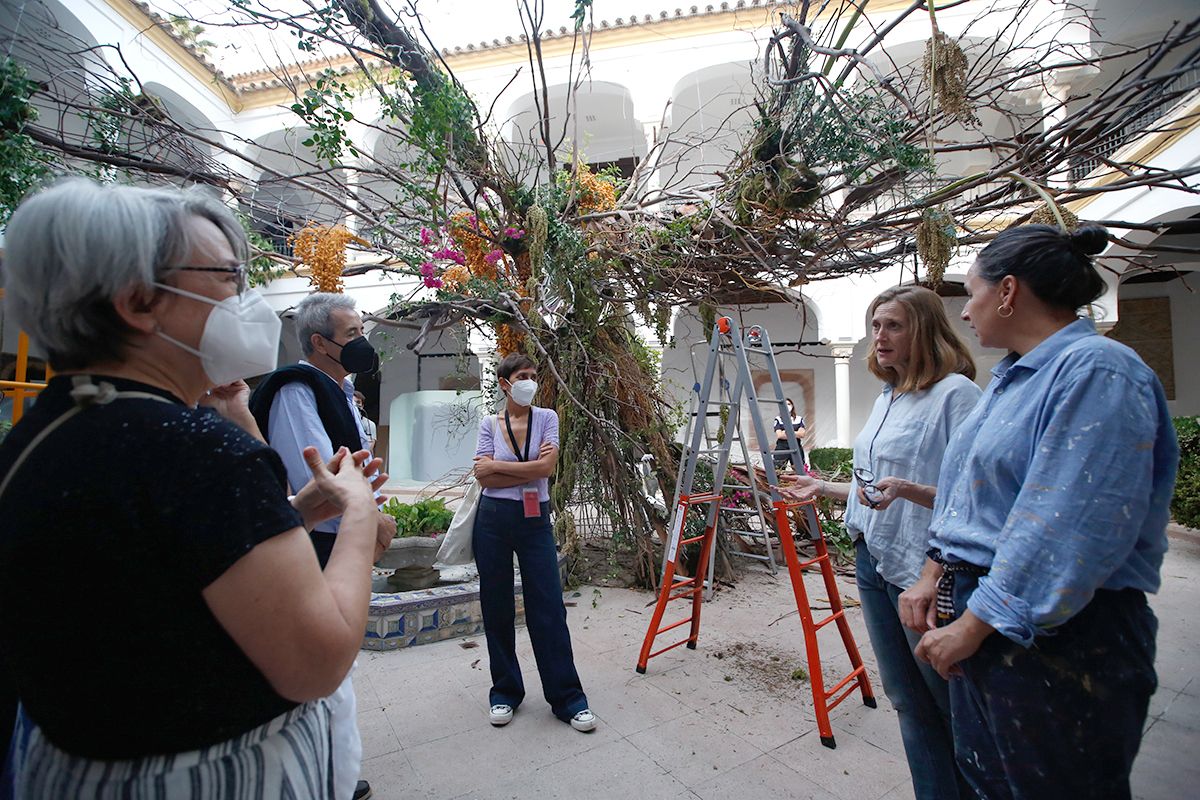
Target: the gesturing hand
pixel 344 480
pixel 232 401
pixel 800 488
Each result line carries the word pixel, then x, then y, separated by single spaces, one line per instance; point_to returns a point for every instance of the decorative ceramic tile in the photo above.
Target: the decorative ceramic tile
pixel 404 619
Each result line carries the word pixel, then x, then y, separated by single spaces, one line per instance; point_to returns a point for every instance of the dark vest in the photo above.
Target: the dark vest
pixel 333 410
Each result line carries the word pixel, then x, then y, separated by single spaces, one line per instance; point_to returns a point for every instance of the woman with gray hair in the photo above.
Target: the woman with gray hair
pixel 212 634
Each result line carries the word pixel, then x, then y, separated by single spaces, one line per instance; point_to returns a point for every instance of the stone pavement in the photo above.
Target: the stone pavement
pixel 728 719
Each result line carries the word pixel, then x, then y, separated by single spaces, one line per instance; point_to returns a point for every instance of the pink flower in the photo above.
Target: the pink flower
pixel 493 257
pixel 450 255
pixel 433 283
pixel 514 233
pixel 426 237
pixel 427 269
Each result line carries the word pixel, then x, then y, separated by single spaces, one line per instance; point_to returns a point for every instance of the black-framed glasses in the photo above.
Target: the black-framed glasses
pixel 866 479
pixel 239 271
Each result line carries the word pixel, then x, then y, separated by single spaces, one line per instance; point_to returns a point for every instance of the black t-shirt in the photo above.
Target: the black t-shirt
pixel 111 528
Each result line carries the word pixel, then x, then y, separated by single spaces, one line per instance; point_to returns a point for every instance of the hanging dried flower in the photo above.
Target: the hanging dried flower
pixel 323 250
pixel 509 340
pixel 1043 215
pixel 536 225
pixel 945 66
pixel 936 243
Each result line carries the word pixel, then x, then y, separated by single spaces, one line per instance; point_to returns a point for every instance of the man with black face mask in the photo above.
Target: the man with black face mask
pixel 312 404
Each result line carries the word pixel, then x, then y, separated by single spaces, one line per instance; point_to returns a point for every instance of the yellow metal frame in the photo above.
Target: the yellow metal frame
pixel 21 387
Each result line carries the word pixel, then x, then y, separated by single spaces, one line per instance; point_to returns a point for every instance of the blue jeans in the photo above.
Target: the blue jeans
pixel 502 530
pixel 919 695
pixel 1063 717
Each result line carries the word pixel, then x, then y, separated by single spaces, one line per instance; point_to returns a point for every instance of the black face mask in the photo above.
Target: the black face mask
pixel 358 356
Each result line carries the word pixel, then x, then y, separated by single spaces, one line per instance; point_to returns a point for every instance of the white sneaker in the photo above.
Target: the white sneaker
pixel 584 721
pixel 500 715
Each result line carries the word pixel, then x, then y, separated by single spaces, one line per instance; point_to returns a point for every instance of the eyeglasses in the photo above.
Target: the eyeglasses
pixel 239 271
pixel 866 479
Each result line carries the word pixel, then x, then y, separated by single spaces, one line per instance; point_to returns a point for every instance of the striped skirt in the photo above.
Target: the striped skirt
pixel 288 757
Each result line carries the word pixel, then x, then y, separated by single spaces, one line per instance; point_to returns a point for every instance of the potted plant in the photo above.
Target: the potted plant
pixel 419 528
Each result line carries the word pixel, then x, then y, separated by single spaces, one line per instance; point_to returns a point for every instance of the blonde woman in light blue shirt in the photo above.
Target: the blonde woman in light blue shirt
pixel 928 390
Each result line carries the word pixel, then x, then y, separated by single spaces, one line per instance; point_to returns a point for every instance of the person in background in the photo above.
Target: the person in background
pixel 781 440
pixel 927 375
pixel 515 456
pixel 312 404
pixel 1049 529
pixel 369 429
pixel 213 636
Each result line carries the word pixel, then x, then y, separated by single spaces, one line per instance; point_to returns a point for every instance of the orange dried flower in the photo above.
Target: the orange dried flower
pixel 323 250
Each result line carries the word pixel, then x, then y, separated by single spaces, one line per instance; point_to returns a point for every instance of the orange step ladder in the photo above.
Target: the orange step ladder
pixel 757 342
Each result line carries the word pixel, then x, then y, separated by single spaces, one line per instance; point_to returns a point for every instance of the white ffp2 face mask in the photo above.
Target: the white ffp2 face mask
pixel 522 392
pixel 240 338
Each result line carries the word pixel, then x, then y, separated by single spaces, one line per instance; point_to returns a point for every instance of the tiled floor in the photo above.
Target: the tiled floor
pixel 698 725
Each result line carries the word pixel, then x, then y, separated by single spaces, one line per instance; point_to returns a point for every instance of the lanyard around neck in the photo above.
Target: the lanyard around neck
pixel 513 438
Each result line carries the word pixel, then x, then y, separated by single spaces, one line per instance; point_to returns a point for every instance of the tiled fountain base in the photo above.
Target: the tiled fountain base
pixel 406 619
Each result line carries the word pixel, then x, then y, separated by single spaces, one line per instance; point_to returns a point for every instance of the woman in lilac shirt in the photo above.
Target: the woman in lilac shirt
pixel 516 454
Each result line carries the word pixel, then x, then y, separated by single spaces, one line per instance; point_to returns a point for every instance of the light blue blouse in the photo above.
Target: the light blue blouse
pixel 1060 482
pixel 905 437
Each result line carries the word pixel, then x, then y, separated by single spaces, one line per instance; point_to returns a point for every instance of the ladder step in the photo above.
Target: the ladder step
pixel 755 556
pixel 696 499
pixel 834 616
pixel 685 593
pixel 810 562
pixel 772 399
pixel 669 647
pixel 728 510
pixel 852 680
pixel 689 541
pixel 756 534
pixel 673 626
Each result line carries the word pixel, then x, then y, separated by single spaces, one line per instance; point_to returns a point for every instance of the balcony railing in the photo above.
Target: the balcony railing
pixel 1145 113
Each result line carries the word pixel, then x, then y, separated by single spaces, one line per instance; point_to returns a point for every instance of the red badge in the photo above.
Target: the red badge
pixel 533 507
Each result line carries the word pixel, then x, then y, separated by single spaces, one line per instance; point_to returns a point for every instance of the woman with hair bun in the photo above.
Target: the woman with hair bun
pixel 1048 531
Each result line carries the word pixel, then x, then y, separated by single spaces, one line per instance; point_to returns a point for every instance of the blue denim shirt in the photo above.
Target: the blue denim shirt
pixel 905 437
pixel 1059 481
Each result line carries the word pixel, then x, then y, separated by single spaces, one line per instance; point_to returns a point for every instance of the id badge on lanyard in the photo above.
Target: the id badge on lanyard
pixel 533 506
pixel 529 493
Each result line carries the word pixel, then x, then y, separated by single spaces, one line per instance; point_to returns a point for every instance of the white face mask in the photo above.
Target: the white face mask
pixel 240 338
pixel 522 392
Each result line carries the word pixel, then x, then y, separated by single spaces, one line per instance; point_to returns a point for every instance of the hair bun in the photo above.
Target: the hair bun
pixel 1089 239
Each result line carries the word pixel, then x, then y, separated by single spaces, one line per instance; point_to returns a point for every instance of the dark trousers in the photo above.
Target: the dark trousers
pixel 1064 717
pixel 502 530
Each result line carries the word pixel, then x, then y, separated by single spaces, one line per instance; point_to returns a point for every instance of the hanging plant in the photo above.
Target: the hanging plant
pixel 323 250
pixel 936 243
pixel 1044 215
pixel 945 67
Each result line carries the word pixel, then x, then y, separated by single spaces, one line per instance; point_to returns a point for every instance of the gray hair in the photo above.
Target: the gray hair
pixel 313 316
pixel 72 248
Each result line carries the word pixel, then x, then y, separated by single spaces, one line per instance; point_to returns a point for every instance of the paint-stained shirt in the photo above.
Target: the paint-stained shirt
pixel 1059 482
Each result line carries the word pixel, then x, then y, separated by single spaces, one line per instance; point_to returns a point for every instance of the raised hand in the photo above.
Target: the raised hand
pixel 799 488
pixel 347 478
